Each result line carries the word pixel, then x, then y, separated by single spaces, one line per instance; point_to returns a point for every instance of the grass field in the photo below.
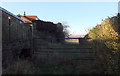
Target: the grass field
pixel 72 40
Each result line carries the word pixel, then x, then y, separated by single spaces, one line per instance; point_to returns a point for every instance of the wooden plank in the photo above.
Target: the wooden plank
pixel 64 38
pixel 51 51
pixel 75 58
pixel 84 59
pixel 62 48
pixel 59 52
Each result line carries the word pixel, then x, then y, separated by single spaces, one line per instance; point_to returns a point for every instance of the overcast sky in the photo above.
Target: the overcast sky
pixel 80 16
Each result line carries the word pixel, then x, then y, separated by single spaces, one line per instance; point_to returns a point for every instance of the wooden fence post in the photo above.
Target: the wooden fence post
pixel 9 27
pixel 32 39
pixel 79 40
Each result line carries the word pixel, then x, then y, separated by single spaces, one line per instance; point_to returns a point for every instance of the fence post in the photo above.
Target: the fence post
pixel 32 39
pixel 9 27
pixel 79 40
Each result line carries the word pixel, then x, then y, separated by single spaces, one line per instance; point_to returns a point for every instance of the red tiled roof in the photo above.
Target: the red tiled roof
pixel 27 18
pixel 33 17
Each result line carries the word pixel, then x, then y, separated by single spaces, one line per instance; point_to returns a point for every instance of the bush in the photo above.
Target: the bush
pixel 105 43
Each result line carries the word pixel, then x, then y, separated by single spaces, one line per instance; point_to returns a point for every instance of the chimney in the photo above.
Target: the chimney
pixel 24 13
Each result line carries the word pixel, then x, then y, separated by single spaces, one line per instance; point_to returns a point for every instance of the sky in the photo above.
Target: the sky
pixel 80 16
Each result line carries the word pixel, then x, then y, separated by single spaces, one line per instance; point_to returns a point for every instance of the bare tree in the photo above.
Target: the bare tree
pixel 65 29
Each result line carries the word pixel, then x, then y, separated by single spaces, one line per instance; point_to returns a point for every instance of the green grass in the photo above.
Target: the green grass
pixel 53 68
pixel 68 44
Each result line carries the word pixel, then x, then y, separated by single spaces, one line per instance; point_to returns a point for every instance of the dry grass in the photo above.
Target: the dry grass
pixel 51 63
pixel 20 67
pixel 72 40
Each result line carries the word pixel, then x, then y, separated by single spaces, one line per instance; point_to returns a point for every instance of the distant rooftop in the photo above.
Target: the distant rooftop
pixel 28 18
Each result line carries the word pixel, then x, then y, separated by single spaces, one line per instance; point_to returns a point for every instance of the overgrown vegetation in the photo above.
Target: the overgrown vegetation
pixel 59 61
pixel 105 37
